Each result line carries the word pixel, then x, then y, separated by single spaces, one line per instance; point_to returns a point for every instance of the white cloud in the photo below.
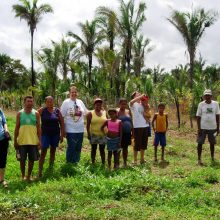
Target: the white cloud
pixel 169 50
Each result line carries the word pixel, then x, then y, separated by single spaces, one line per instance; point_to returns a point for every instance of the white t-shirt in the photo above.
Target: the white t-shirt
pixel 137 114
pixel 208 113
pixel 74 123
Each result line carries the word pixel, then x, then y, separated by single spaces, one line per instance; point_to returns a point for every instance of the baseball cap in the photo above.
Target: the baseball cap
pixel 97 100
pixel 207 92
pixel 145 98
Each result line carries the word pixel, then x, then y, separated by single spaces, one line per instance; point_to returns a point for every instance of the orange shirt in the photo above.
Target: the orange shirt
pixel 161 123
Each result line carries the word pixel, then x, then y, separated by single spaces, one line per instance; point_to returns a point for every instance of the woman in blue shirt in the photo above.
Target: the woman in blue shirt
pixel 4 143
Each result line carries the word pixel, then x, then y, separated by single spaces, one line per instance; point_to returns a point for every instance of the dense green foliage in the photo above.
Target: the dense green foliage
pixel 178 189
pixel 107 59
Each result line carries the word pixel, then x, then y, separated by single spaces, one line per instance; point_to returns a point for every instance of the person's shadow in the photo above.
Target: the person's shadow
pixel 163 164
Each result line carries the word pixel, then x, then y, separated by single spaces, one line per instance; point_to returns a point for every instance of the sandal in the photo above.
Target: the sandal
pixel 4 184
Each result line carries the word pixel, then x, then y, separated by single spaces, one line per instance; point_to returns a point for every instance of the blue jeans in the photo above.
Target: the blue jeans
pixel 74 142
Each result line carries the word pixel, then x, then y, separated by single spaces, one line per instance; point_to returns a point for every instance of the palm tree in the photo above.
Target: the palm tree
pixel 129 22
pixel 50 58
pixel 89 41
pixel 139 52
pixel 32 14
pixel 192 26
pixel 68 53
pixel 107 21
pixel 110 63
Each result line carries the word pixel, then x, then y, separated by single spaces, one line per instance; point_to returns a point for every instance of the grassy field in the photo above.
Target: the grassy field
pixel 178 189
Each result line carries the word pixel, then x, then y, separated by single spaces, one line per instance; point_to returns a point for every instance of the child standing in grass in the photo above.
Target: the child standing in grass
pixel 113 137
pixel 161 121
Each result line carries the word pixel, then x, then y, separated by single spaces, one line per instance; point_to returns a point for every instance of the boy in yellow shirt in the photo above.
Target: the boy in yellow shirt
pixel 160 130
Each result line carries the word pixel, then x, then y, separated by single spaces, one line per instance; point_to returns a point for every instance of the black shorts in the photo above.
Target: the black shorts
pixel 30 151
pixel 140 139
pixel 3 153
pixel 202 136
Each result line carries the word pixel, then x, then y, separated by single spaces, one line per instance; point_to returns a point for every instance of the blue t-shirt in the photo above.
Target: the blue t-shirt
pixel 2 123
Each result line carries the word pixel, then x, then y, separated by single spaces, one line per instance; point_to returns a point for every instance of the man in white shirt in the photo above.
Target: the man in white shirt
pixel 208 123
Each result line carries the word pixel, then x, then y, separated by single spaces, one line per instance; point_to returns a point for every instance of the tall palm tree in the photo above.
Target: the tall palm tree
pixel 32 14
pixel 107 21
pixel 90 39
pixel 130 21
pixel 192 26
pixel 139 51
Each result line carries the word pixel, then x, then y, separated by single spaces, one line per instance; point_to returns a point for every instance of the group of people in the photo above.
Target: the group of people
pixel 44 128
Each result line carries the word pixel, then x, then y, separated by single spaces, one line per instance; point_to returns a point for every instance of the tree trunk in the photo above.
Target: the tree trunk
pixel 111 44
pixel 191 69
pixel 33 80
pixel 117 82
pixel 90 72
pixel 177 111
pixel 128 56
pixel 191 74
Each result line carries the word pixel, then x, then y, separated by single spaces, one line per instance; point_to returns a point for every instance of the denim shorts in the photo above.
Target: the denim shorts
pixel 112 144
pixel 160 138
pixel 50 141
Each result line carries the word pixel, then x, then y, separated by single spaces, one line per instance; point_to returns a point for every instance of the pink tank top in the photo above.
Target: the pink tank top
pixel 113 126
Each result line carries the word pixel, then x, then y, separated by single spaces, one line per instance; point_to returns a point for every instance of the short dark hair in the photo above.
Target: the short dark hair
pixel 133 94
pixel 161 104
pixel 112 110
pixel 122 100
pixel 28 97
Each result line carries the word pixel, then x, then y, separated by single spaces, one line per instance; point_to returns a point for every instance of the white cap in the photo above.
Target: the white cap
pixel 207 92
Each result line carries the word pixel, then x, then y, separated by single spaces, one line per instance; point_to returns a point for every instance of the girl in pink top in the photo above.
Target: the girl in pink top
pixel 113 137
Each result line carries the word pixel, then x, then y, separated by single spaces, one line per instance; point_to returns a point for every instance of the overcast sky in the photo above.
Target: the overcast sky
pixel 169 46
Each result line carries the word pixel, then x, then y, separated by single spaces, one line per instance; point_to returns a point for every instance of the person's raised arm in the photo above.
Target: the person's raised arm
pixel 136 99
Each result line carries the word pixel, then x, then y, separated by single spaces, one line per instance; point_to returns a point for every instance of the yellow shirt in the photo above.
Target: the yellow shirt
pixel 161 123
pixel 28 128
pixel 96 123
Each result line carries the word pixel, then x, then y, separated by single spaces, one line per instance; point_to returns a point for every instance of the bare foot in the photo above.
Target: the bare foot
pixel 200 163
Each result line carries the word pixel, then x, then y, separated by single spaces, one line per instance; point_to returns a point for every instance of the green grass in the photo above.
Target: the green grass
pixel 177 190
